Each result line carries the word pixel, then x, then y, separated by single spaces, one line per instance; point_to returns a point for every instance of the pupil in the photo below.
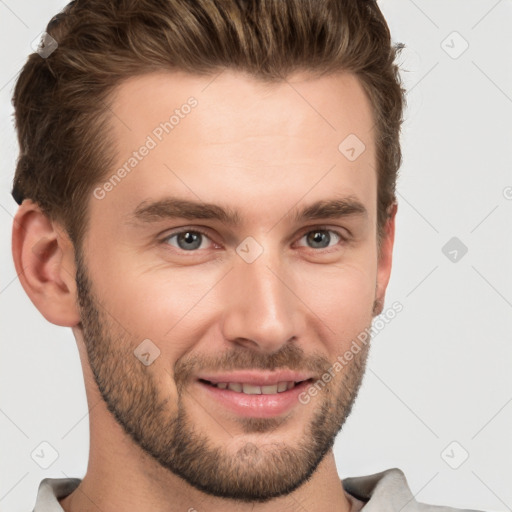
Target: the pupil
pixel 189 237
pixel 316 237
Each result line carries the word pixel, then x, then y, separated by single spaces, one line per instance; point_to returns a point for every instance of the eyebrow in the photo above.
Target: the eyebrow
pixel 173 207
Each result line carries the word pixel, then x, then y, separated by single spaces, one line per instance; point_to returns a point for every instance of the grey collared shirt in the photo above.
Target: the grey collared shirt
pixel 387 491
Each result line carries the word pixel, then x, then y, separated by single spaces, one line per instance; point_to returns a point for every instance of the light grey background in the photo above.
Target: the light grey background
pixel 439 372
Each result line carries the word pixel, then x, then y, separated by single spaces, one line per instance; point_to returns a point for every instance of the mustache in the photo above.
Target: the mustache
pixel 289 357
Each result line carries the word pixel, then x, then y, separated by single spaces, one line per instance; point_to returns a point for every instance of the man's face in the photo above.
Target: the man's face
pixel 267 292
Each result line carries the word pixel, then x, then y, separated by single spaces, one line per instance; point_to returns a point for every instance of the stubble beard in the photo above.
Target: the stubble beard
pixel 255 471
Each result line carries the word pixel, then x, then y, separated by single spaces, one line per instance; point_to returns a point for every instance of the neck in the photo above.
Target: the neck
pixel 120 476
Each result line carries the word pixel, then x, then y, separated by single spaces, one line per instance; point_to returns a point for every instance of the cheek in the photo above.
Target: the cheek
pixel 342 297
pixel 162 304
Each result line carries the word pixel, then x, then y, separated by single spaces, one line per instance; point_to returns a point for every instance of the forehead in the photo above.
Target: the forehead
pixel 243 106
pixel 228 138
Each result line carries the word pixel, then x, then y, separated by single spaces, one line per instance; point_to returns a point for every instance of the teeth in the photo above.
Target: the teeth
pixel 249 389
pixel 282 386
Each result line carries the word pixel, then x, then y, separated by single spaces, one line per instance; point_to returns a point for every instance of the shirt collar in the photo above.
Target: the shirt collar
pixel 387 490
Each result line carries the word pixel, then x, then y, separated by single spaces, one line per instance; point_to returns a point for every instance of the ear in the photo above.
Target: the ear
pixel 44 259
pixel 385 259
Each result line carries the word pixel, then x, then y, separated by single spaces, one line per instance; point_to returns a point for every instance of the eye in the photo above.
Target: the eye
pixel 188 240
pixel 322 238
pixel 191 240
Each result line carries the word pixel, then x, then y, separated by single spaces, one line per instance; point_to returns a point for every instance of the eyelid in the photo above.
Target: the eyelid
pixel 341 232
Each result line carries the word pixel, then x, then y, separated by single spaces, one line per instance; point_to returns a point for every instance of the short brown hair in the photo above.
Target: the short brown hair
pixel 62 101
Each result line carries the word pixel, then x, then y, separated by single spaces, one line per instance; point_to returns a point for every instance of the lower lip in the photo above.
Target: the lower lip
pixel 260 406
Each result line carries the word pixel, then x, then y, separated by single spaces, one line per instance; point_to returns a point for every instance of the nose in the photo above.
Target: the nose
pixel 262 312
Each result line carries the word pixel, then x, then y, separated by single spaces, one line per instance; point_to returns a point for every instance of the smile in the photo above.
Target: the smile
pixel 250 389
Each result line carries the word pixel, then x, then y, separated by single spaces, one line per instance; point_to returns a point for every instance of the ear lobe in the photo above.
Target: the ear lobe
pixel 44 261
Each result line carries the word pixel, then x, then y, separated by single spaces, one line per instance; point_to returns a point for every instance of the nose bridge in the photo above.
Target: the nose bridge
pixel 262 309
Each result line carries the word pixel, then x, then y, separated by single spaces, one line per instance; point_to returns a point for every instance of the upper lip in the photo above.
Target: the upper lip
pixel 256 378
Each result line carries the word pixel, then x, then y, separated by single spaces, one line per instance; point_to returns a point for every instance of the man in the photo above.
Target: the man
pixel 206 195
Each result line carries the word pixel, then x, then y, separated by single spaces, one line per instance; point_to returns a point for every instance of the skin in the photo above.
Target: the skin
pixel 265 151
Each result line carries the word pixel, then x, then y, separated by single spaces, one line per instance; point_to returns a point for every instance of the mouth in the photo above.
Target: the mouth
pixel 254 395
pixel 251 389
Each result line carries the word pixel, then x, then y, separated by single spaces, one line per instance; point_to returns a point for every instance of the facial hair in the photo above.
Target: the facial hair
pixel 161 426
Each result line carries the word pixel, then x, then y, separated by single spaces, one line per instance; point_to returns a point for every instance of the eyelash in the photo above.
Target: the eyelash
pixel 343 238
